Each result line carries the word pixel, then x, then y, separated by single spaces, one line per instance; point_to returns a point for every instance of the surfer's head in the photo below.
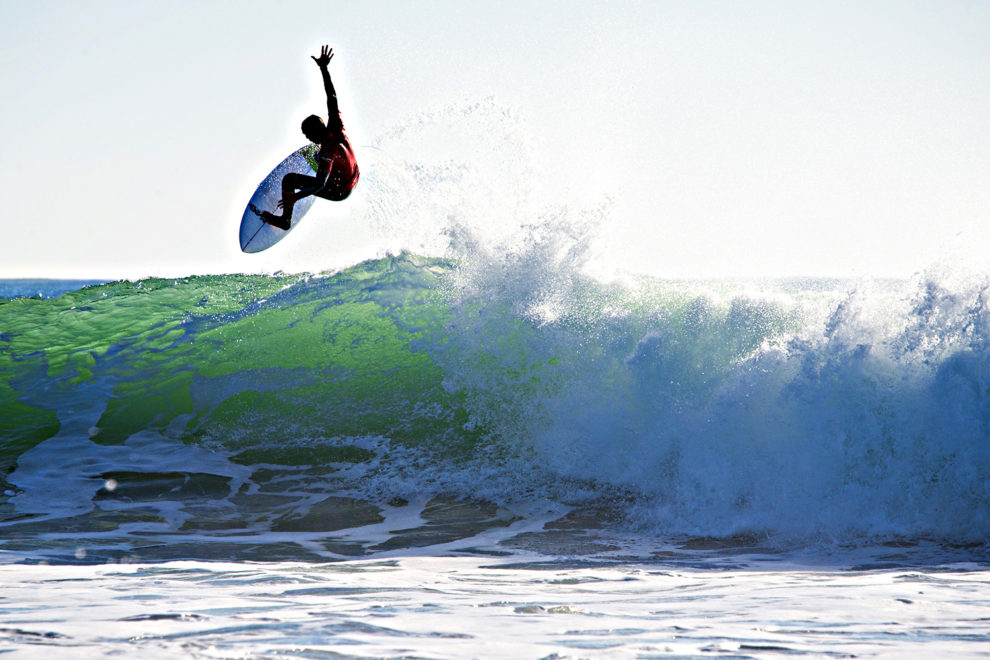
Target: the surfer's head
pixel 314 129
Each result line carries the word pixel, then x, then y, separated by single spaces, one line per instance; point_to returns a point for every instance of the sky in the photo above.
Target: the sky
pixel 732 139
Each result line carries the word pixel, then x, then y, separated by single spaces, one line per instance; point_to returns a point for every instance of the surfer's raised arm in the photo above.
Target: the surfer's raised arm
pixel 323 61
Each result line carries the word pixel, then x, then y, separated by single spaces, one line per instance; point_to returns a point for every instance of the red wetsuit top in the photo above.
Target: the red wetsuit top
pixel 337 158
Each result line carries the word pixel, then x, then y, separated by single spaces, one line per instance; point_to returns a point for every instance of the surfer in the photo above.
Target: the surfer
pixel 337 171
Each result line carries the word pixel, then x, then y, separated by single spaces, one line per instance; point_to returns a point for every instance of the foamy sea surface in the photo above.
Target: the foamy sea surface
pixel 462 607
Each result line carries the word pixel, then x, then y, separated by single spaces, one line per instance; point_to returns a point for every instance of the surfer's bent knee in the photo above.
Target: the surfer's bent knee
pixel 334 195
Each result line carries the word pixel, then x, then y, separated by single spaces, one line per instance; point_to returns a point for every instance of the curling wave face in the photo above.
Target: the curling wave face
pixel 258 407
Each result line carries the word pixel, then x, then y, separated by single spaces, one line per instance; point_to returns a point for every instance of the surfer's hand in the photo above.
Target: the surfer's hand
pixel 281 202
pixel 326 54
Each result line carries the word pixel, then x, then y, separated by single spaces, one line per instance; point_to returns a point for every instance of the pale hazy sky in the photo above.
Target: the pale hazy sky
pixel 733 138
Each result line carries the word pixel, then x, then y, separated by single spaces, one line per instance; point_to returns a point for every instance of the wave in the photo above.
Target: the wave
pixel 798 410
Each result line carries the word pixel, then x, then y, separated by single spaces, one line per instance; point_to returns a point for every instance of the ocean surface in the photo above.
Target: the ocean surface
pixel 41 288
pixel 495 456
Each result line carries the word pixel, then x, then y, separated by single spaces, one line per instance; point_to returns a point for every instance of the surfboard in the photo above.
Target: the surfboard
pixel 257 235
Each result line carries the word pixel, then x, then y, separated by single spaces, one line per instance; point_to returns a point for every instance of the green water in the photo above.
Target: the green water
pixel 242 362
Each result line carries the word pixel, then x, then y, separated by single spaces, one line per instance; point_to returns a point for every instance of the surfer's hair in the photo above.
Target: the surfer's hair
pixel 313 125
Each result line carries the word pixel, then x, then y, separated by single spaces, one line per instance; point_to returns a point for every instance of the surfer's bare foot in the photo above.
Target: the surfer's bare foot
pixel 276 220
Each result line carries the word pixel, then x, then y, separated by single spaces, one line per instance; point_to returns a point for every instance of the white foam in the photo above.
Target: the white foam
pixel 450 607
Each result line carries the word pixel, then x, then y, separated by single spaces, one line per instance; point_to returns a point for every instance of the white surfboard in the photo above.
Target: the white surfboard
pixel 257 235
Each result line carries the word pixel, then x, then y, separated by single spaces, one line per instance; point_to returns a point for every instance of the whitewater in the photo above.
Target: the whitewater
pixel 477 443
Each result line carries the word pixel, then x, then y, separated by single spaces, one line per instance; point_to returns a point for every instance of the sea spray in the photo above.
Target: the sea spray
pixel 747 418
